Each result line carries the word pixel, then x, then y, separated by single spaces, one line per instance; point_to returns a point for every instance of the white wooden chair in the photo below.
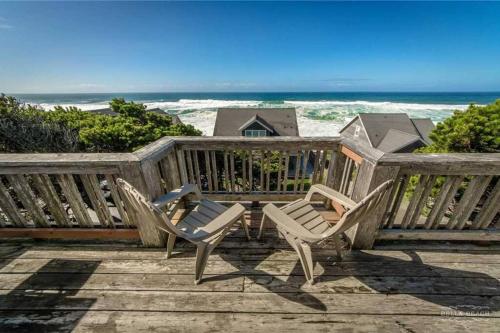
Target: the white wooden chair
pixel 205 226
pixel 301 225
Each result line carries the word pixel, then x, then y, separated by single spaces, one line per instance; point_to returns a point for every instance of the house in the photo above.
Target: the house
pixel 259 122
pixel 389 132
pixel 109 112
pixel 256 122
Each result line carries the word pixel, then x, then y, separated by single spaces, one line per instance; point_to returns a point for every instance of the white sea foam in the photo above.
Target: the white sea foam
pixel 315 118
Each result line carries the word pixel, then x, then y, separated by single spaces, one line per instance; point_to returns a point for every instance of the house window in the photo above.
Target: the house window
pixel 255 133
pixel 356 131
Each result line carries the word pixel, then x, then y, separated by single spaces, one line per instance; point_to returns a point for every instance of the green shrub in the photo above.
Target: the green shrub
pixel 132 129
pixel 475 130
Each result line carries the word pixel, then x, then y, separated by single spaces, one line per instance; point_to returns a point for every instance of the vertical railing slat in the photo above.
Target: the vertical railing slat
pixel 278 180
pixel 244 171
pixel 268 170
pixel 442 201
pixel 233 178
pixel 111 180
pixel 93 189
pixel 49 194
pixel 285 171
pixel 304 170
pixel 490 208
pixel 214 171
pixel 297 171
pixel 28 199
pixel 75 201
pixel 468 201
pixel 197 169
pixel 208 171
pixel 189 159
pixel 10 209
pixel 401 189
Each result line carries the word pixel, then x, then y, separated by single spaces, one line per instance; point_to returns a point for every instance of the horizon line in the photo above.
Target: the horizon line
pixel 255 92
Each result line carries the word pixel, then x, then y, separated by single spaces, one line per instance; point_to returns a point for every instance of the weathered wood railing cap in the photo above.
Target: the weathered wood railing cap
pixel 241 142
pixel 370 154
pixel 65 163
pixel 43 159
pixel 450 163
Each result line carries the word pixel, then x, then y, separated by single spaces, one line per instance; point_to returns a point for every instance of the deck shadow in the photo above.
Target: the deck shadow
pixel 453 298
pixel 47 298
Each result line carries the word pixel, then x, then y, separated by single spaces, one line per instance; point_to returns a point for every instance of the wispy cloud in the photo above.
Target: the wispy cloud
pixel 4 25
pixel 340 80
pixel 91 85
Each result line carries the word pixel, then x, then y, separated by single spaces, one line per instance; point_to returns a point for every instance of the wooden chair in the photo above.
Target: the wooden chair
pixel 205 226
pixel 301 225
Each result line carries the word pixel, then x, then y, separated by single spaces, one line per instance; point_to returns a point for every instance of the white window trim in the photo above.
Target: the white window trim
pixel 255 133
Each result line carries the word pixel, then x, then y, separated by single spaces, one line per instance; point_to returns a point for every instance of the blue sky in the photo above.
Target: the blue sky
pixel 143 47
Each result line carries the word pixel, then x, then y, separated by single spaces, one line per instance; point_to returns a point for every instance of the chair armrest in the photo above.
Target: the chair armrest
pixel 288 224
pixel 330 194
pixel 220 223
pixel 176 194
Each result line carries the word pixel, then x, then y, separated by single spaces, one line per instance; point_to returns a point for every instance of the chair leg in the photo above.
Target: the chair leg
pixel 338 247
pixel 305 255
pixel 202 253
pixel 261 229
pixel 170 244
pixel 245 226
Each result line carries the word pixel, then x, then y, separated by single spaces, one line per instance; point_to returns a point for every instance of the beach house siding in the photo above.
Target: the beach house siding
pixel 355 131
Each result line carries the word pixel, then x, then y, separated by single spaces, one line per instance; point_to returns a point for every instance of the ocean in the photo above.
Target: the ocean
pixel 318 114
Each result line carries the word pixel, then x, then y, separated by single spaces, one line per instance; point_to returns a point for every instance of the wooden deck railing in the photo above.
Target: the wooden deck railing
pixel 429 185
pixel 75 195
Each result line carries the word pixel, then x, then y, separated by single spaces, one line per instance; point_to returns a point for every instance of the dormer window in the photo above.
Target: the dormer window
pixel 255 133
pixel 256 127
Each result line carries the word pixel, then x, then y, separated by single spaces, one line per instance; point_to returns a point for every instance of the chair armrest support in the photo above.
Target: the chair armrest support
pixel 330 194
pixel 176 194
pixel 288 224
pixel 220 223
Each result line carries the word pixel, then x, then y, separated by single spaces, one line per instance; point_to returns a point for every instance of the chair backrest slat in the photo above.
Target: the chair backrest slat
pixel 363 209
pixel 141 208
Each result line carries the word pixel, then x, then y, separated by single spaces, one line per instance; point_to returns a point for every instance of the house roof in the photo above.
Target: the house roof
pixel 396 140
pixel 109 112
pixel 424 127
pixel 392 131
pixel 259 120
pixel 230 121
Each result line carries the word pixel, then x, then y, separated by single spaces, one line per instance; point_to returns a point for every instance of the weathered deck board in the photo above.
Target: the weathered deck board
pixel 51 286
pixel 141 321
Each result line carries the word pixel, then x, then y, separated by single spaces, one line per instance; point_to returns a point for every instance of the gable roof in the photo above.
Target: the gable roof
pixel 230 121
pixel 424 127
pixel 392 131
pixel 396 140
pixel 257 119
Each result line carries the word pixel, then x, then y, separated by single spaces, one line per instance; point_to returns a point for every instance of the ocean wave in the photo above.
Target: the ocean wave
pixel 384 105
pixel 315 118
pixel 190 104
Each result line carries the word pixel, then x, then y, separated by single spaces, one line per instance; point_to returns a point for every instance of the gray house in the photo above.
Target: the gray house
pixel 109 112
pixel 389 132
pixel 256 122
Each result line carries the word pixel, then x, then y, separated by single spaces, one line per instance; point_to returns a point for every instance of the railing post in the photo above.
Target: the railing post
pixel 133 173
pixel 370 175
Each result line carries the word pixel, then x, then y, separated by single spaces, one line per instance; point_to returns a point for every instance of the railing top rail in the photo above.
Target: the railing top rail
pixel 452 163
pixel 368 153
pixel 275 142
pixel 35 159
pixel 64 163
pixel 156 150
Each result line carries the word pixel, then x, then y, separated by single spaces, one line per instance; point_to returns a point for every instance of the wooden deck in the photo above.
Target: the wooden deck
pixel 248 286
